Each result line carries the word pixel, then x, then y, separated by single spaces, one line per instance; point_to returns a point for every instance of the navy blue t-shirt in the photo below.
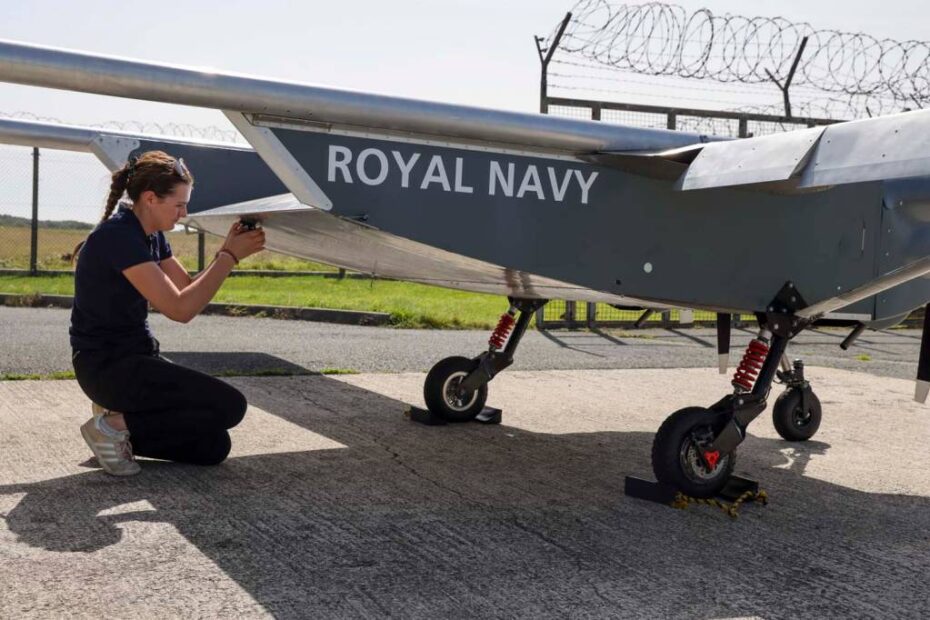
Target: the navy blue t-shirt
pixel 109 313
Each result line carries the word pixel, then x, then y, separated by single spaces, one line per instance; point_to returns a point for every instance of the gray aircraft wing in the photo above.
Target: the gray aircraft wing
pixel 224 172
pixel 441 155
pixel 555 199
pixel 875 149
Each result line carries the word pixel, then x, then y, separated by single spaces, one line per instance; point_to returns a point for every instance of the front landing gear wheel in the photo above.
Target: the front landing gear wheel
pixel 677 458
pixel 794 421
pixel 442 395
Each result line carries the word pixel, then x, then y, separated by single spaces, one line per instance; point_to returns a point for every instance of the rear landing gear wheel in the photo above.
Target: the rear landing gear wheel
pixel 442 395
pixel 678 459
pixel 792 420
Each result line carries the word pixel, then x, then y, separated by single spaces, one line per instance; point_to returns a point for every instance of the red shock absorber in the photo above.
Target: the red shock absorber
pixel 748 369
pixel 503 329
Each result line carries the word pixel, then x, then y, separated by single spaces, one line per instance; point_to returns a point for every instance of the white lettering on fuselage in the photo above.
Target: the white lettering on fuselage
pixel 512 179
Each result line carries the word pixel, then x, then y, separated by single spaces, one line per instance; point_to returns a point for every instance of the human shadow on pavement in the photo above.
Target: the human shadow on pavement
pixel 236 363
pixel 496 521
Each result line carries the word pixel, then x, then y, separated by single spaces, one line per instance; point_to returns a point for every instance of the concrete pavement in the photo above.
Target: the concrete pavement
pixel 335 505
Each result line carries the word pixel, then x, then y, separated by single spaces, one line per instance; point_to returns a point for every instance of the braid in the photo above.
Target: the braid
pixel 117 188
pixel 120 180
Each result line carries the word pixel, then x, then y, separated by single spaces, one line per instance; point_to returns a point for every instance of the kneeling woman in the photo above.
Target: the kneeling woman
pixel 165 410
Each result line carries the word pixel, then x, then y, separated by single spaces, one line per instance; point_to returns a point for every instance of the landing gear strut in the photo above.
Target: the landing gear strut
pixel 456 388
pixel 694 450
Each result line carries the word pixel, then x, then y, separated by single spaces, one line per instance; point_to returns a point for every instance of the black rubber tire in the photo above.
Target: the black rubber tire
pixel 669 453
pixel 434 390
pixel 790 421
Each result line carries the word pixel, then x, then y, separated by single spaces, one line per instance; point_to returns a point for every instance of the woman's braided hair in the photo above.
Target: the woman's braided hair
pixel 154 171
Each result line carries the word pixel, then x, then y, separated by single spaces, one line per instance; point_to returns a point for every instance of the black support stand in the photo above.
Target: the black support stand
pixel 488 415
pixel 664 494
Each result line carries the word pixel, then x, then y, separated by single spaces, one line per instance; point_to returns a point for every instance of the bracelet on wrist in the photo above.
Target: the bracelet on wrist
pixel 229 254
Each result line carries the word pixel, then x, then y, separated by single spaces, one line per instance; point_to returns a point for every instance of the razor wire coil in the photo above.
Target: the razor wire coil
pixel 178 130
pixel 659 39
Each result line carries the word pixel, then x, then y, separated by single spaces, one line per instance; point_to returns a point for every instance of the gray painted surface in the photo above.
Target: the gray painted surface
pixel 720 248
pixel 221 175
pixel 887 147
pixel 716 248
pixel 905 239
pixel 298 230
pixel 776 157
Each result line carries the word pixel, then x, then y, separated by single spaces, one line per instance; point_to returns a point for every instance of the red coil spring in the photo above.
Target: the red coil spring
pixel 749 367
pixel 504 326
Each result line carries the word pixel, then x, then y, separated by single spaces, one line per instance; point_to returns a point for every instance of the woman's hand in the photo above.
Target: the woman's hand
pixel 243 242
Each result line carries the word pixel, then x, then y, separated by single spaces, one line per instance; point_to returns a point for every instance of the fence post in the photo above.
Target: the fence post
pixel 541 318
pixel 570 313
pixel 544 59
pixel 743 127
pixel 201 251
pixel 595 113
pixel 591 315
pixel 34 242
pixel 672 122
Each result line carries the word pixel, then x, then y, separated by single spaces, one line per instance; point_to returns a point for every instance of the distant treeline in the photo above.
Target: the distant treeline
pixel 25 222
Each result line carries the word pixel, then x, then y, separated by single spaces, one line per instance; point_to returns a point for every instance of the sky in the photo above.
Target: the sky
pixel 473 52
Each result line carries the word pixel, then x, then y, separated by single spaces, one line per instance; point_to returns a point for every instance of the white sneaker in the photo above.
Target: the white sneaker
pixel 113 453
pixel 98 411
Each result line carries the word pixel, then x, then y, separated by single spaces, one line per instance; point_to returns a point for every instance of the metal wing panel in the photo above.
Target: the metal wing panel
pixel 306 232
pixel 766 159
pixel 120 77
pixel 887 147
pixel 224 173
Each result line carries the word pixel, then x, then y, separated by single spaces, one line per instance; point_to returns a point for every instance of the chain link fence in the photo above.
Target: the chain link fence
pixel 50 200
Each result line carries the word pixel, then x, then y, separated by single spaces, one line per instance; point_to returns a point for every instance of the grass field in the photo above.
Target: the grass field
pixel 55 247
pixel 410 305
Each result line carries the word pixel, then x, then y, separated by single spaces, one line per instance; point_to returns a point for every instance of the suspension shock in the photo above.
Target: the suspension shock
pixel 503 329
pixel 748 370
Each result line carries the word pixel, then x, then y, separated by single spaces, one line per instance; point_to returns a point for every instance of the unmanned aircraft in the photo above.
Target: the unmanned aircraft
pixel 789 227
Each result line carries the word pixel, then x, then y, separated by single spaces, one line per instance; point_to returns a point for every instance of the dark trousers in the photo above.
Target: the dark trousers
pixel 172 412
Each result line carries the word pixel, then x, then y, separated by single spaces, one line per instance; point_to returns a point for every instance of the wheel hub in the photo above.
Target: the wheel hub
pixel 694 465
pixel 801 418
pixel 453 396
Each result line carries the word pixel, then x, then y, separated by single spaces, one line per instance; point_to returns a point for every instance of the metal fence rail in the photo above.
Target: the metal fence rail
pixel 559 314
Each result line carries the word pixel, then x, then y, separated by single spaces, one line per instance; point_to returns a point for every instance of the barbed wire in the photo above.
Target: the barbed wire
pixel 179 130
pixel 876 75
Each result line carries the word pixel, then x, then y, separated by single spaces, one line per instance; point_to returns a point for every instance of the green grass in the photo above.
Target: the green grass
pixel 410 305
pixel 55 246
pixel 339 371
pixel 864 357
pixel 55 376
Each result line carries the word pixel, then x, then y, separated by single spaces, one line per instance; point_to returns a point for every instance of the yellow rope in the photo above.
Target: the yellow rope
pixel 682 501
